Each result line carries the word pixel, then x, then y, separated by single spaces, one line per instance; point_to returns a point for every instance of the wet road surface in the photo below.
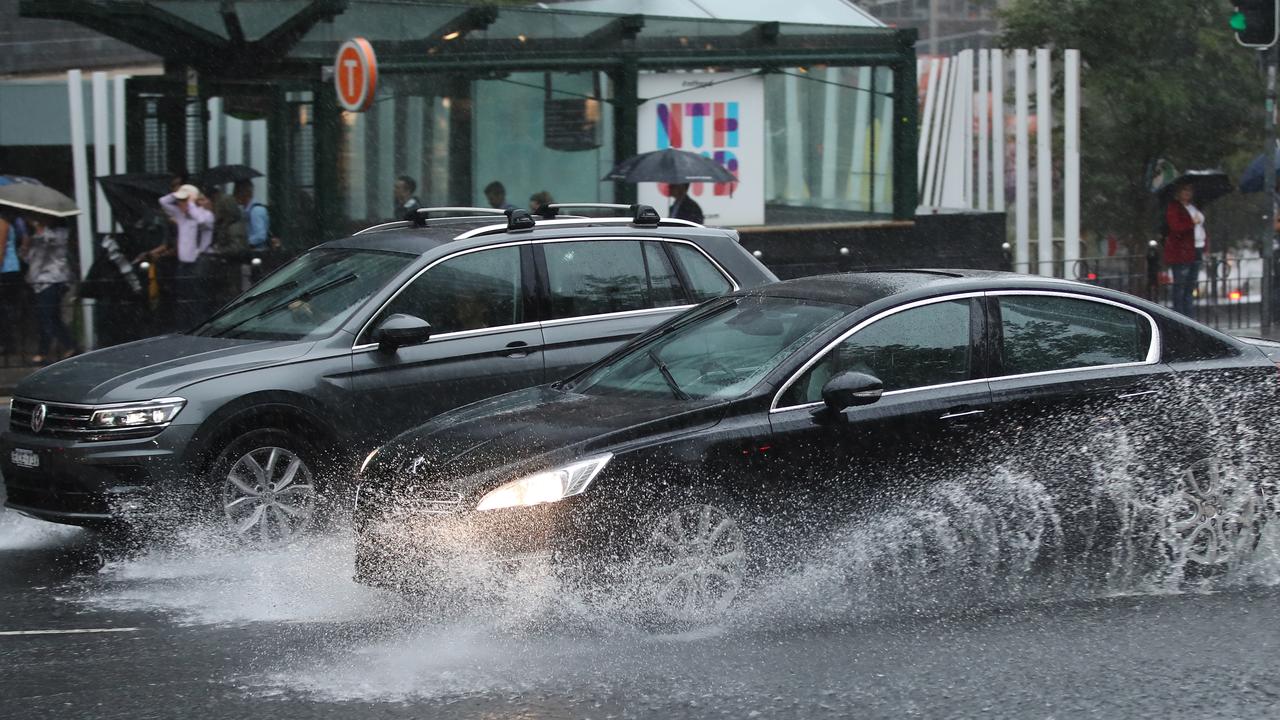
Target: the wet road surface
pixel 208 633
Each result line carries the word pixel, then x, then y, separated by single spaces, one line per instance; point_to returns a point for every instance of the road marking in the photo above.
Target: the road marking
pixel 80 631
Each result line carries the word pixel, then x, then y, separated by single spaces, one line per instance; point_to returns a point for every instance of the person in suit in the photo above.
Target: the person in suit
pixel 684 207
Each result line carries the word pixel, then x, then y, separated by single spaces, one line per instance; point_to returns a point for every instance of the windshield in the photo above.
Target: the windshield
pixel 308 298
pixel 722 352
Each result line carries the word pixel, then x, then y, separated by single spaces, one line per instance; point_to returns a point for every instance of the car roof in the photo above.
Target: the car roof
pixel 858 289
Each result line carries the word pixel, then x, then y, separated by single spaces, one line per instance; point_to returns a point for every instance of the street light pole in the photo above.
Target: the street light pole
pixel 1269 158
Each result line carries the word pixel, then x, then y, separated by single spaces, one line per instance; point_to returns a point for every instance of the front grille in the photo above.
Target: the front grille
pixel 70 422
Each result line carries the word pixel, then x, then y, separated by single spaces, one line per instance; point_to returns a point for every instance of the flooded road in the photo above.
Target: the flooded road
pixel 200 630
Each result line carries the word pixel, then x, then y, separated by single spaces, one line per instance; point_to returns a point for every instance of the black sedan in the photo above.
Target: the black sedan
pixel 688 457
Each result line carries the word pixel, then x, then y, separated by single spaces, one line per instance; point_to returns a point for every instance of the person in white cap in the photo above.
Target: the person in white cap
pixel 194 238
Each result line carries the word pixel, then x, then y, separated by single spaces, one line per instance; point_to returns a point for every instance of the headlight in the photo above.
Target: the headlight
pixel 156 412
pixel 545 487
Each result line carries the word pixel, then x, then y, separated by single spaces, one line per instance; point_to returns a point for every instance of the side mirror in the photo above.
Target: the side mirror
pixel 397 331
pixel 851 389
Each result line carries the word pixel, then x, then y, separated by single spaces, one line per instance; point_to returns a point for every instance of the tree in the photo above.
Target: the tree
pixel 1161 79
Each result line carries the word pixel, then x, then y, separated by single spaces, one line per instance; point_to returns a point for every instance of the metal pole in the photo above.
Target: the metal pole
pixel 1269 157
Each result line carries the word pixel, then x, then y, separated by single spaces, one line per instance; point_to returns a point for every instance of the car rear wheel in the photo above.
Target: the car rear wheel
pixel 265 487
pixel 1216 519
pixel 692 563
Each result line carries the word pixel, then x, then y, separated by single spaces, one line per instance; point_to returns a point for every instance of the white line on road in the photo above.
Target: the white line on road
pixel 80 631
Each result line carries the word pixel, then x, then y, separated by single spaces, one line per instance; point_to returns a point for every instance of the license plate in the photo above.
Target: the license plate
pixel 25 458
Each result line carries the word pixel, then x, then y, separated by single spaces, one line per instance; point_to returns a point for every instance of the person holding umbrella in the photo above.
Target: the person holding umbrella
pixel 1185 245
pixel 677 168
pixel 11 237
pixel 684 207
pixel 48 272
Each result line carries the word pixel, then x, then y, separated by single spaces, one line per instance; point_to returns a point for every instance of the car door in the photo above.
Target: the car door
pixel 1077 388
pixel 929 356
pixel 1064 355
pixel 485 340
pixel 601 292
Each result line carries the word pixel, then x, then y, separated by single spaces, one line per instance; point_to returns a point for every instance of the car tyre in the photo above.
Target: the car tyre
pixel 264 487
pixel 1215 521
pixel 691 563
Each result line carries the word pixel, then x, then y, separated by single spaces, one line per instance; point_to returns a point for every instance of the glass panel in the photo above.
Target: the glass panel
pixel 705 281
pixel 828 144
pixel 474 291
pixel 1056 333
pixel 531 140
pixel 596 277
pixel 723 352
pixel 924 346
pixel 309 298
pixel 664 287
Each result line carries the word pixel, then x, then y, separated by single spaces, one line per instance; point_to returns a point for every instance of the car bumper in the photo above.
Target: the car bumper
pixel 87 483
pixel 422 551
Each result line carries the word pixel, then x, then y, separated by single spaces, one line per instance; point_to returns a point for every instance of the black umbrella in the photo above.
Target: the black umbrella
pixel 670 166
pixel 134 200
pixel 1207 186
pixel 223 174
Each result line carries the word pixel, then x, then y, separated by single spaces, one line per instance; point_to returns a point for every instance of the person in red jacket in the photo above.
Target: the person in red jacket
pixel 1184 247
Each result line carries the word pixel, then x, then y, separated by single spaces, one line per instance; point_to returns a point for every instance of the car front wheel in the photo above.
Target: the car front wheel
pixel 692 563
pixel 265 487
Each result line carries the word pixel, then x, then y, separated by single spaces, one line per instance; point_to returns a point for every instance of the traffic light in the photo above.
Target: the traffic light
pixel 1256 22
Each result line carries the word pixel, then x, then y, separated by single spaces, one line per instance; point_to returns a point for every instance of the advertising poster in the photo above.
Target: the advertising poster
pixel 700 112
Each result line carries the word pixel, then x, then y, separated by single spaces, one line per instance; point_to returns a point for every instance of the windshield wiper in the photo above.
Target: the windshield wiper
pixel 304 296
pixel 666 375
pixel 255 296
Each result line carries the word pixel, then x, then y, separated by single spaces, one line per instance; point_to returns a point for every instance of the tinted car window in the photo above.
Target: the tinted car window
pixel 310 297
pixel 705 281
pixel 723 352
pixel 595 277
pixel 1044 333
pixel 927 345
pixel 664 287
pixel 469 292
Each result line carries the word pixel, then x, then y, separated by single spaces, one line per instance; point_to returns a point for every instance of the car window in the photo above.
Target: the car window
pixel 468 292
pixel 309 298
pixel 595 277
pixel 1042 333
pixel 705 281
pixel 927 345
pixel 664 286
pixel 722 352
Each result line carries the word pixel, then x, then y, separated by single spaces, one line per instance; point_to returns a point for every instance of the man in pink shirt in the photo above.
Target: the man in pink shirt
pixel 194 224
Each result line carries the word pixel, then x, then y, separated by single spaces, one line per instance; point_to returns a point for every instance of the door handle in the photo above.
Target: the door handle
pixel 966 413
pixel 520 348
pixel 1140 393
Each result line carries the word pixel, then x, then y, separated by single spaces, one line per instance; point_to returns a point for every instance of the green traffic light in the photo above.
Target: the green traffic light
pixel 1238 22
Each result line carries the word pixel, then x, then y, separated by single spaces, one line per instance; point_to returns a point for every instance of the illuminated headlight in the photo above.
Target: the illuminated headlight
pixel 545 487
pixel 157 412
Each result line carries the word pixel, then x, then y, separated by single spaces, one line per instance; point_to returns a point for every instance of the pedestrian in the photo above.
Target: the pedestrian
pixel 1185 245
pixel 11 236
pixel 683 207
pixel 539 200
pixel 48 271
pixel 257 218
pixel 407 202
pixel 496 193
pixel 230 244
pixel 189 211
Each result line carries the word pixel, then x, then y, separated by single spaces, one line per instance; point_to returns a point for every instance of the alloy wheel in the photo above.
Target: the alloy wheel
pixel 694 563
pixel 1217 519
pixel 268 497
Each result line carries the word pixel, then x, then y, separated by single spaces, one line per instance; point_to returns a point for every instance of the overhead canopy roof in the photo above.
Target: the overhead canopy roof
pixel 822 12
pixel 257 38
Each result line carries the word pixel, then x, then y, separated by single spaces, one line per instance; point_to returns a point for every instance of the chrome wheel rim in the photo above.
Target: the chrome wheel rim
pixel 1217 516
pixel 268 496
pixel 694 563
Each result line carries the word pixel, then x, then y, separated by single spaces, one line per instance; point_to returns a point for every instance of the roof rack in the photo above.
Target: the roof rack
pixel 551 210
pixel 643 216
pixel 424 214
